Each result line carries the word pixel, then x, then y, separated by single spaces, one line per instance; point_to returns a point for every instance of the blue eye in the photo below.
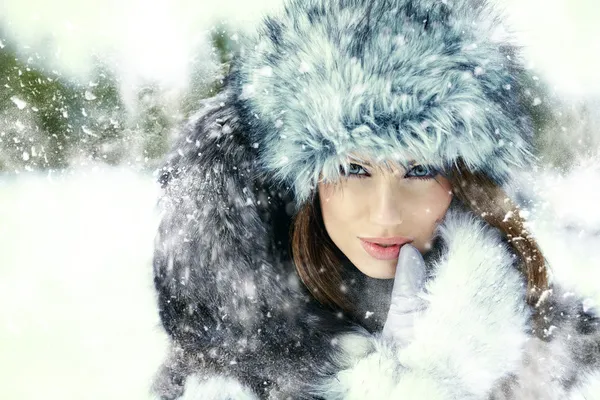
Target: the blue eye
pixel 354 170
pixel 422 172
pixel 417 171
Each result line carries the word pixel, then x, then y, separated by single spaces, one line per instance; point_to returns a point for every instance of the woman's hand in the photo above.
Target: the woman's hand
pixel 406 303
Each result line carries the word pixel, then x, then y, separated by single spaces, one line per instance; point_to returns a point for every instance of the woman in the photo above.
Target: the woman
pixel 345 127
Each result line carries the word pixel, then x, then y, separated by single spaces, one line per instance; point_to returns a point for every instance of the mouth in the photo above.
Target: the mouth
pixel 384 248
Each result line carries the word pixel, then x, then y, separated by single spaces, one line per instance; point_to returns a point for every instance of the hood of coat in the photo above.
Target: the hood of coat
pixel 227 289
pixel 322 79
pixel 384 79
pixel 303 94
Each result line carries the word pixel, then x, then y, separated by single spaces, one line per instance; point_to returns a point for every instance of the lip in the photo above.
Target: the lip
pixel 372 247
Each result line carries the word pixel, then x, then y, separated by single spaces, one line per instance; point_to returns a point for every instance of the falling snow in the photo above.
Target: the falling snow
pixel 88 131
pixel 66 269
pixel 18 102
pixel 304 67
pixel 588 305
pixel 89 95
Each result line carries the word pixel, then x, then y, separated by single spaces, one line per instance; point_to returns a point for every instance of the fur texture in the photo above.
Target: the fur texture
pixel 474 341
pixel 227 290
pixel 427 79
pixel 383 79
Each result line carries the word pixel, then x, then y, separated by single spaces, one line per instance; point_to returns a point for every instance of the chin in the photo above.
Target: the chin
pixel 383 272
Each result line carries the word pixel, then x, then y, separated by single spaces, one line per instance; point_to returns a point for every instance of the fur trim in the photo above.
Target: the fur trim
pixel 227 289
pixel 368 370
pixel 477 296
pixel 589 389
pixel 386 80
pixel 473 331
pixel 563 217
pixel 228 292
pixel 376 374
pixel 215 388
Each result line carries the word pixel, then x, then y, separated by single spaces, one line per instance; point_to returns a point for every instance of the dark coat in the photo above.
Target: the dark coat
pixel 232 303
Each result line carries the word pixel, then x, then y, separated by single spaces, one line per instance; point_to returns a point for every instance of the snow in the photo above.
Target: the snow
pixel 560 41
pixel 149 41
pixel 570 209
pixel 88 131
pixel 18 102
pixel 78 318
pixel 89 95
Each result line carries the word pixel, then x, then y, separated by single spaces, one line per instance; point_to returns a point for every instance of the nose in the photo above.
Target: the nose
pixel 385 204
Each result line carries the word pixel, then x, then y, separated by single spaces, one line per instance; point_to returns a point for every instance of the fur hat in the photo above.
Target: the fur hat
pixel 429 80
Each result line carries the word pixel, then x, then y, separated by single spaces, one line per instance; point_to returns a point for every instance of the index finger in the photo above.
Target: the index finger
pixel 409 278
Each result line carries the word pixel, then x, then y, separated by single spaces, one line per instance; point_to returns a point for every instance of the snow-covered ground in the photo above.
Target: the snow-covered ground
pixel 78 318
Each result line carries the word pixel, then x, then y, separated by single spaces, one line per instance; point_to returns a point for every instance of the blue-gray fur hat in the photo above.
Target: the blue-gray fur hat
pixel 429 80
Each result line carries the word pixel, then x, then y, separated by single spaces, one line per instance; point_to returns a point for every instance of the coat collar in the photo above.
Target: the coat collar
pixel 476 338
pixel 477 321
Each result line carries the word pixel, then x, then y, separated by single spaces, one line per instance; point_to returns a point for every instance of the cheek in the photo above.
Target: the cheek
pixel 341 204
pixel 344 213
pixel 443 198
pixel 434 206
pixel 437 204
pixel 435 199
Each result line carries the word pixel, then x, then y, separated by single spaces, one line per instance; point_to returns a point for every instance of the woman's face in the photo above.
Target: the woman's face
pixel 380 202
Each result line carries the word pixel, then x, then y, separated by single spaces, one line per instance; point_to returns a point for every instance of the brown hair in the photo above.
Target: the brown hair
pixel 318 260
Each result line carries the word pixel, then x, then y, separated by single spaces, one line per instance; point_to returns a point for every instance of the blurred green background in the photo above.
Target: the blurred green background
pixel 49 120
